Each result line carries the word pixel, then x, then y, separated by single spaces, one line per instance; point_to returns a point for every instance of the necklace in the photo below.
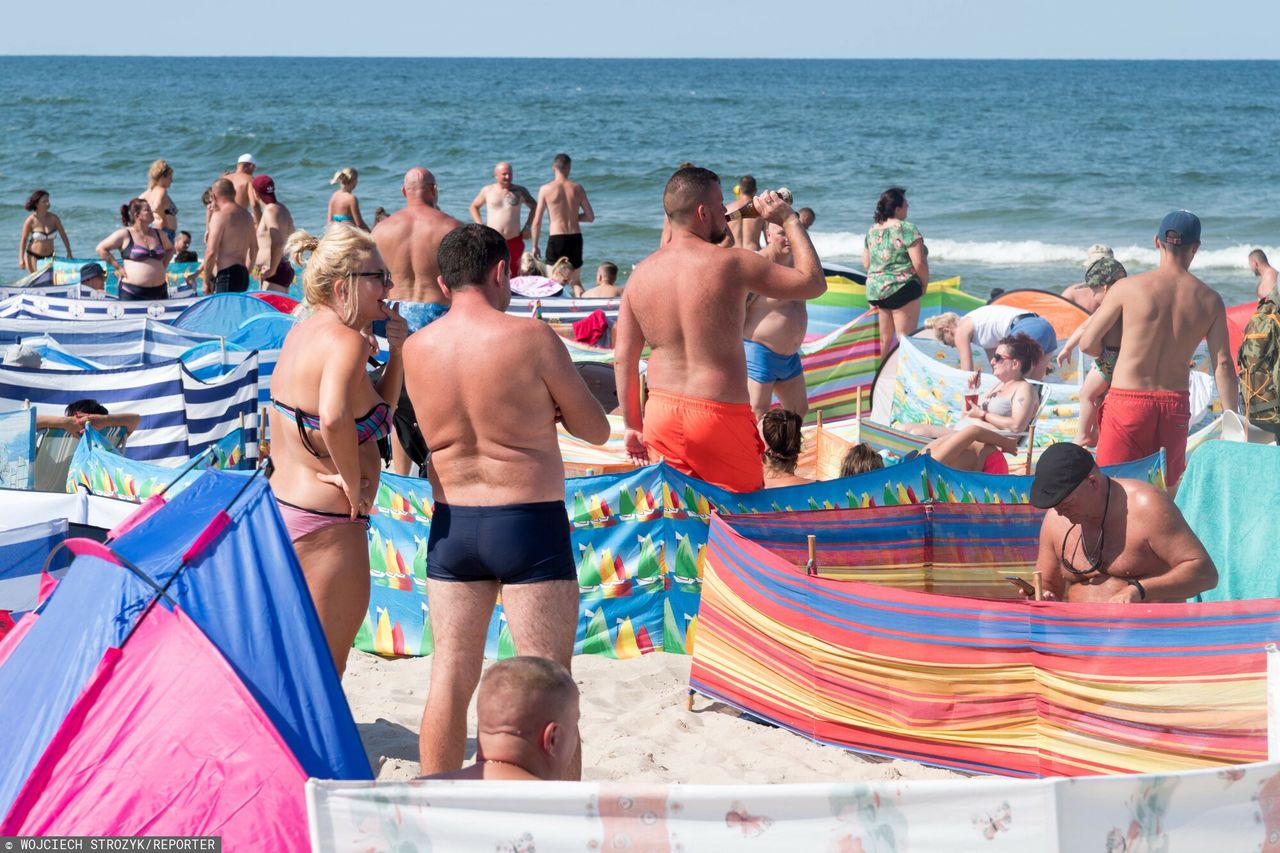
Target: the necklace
pixel 500 761
pixel 1095 562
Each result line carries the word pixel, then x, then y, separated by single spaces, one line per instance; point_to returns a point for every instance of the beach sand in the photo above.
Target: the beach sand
pixel 634 727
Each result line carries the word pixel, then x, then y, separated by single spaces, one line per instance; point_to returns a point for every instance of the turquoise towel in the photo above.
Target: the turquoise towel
pixel 1230 495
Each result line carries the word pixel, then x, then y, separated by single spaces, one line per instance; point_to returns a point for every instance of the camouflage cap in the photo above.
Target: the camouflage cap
pixel 1104 271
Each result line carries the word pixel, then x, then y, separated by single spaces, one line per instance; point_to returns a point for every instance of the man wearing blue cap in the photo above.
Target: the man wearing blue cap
pixel 1164 314
pixel 1104 539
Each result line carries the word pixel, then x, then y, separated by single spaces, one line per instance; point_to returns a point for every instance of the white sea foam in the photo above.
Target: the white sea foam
pixel 847 244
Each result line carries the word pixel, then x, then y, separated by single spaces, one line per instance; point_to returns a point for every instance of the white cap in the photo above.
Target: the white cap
pixel 1097 251
pixel 247 158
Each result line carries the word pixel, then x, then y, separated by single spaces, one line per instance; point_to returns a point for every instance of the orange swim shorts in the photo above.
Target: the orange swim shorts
pixel 1136 424
pixel 716 442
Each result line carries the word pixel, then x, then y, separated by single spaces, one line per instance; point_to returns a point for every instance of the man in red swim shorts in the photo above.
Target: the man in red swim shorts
pixel 688 301
pixel 1165 313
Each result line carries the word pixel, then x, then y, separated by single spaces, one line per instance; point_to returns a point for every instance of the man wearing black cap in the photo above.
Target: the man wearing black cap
pixel 1109 540
pixel 1164 314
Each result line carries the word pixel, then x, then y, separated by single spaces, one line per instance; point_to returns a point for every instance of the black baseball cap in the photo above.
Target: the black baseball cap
pixel 1061 468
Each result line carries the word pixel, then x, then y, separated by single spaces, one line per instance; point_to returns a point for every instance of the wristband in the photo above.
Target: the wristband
pixel 1142 591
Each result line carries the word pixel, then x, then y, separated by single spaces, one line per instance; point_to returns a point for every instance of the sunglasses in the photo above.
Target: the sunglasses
pixel 383 275
pixel 997 358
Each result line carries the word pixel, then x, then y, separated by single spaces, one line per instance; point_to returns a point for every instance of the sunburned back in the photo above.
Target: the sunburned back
pixel 408 241
pixel 1165 315
pixel 690 306
pixel 487 414
pixel 563 199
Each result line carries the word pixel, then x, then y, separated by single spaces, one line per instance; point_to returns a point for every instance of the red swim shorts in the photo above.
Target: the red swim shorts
pixel 515 248
pixel 1138 423
pixel 716 442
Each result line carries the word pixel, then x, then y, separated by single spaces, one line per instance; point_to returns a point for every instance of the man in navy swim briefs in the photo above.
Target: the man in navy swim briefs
pixel 488 389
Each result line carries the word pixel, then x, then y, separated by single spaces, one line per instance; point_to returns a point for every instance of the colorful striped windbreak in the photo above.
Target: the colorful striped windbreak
pixel 1008 687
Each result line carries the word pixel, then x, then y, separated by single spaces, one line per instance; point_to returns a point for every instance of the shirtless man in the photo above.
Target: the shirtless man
pixel 242 180
pixel 526 723
pixel 1164 314
pixel 502 201
pixel 771 337
pixel 747 232
pixel 232 245
pixel 606 283
pixel 566 203
pixel 688 301
pixel 409 241
pixel 1265 273
pixel 499 522
pixel 1109 540
pixel 274 229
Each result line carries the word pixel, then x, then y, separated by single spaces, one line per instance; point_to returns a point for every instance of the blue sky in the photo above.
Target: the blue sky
pixel 1016 29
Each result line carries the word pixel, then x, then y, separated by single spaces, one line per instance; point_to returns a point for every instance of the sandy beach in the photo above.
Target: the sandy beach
pixel 634 728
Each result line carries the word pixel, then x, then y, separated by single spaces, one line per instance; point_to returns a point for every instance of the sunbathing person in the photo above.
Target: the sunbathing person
pixel 527 723
pixel 82 412
pixel 782 443
pixel 1110 540
pixel 860 459
pixel 994 424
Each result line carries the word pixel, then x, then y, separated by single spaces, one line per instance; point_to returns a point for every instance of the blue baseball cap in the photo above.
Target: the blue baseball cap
pixel 89 272
pixel 1185 226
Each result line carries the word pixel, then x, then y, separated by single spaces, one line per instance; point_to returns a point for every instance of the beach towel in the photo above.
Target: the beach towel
pixel 1230 494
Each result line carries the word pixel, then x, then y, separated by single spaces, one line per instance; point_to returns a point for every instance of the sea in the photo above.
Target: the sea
pixel 1013 168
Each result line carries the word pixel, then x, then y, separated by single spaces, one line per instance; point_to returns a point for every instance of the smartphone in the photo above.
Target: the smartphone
pixel 970 400
pixel 1021 585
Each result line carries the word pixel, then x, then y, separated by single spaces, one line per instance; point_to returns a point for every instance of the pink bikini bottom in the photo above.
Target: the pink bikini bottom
pixel 303 522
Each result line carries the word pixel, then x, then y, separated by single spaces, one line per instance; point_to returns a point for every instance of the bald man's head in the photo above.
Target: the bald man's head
pixel 534 700
pixel 223 189
pixel 419 184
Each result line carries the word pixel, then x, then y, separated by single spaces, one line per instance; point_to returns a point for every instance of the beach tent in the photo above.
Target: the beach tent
pixel 181 415
pixel 176 682
pixel 221 313
pixel 1064 315
pixel 1021 688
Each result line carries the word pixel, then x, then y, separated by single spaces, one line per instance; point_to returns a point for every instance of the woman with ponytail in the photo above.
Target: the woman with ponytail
pixel 144 253
pixel 343 204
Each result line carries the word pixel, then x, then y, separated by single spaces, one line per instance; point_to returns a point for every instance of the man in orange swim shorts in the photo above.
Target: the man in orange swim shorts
pixel 688 302
pixel 1164 313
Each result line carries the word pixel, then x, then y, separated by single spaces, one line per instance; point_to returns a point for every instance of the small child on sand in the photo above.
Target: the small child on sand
pixel 1101 274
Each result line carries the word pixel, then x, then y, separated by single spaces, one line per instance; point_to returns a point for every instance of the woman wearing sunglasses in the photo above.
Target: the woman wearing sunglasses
pixel 330 422
pixel 994 424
